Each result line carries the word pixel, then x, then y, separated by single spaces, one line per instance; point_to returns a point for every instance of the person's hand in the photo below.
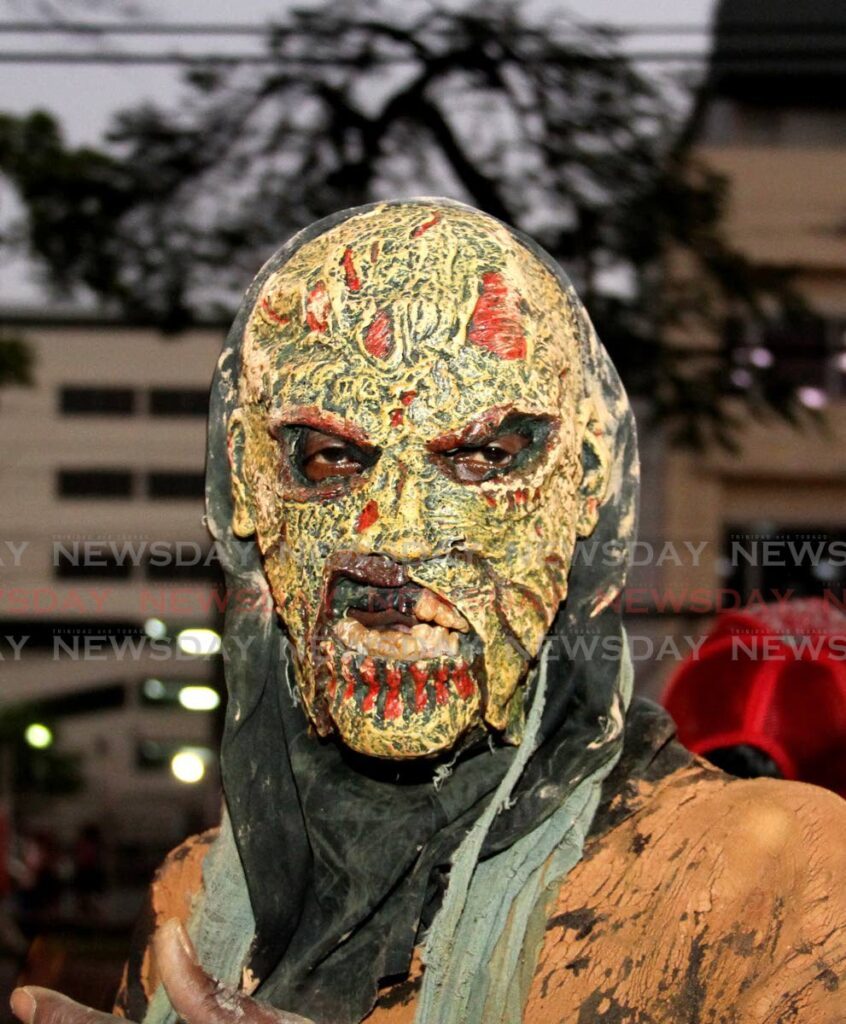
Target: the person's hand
pixel 196 997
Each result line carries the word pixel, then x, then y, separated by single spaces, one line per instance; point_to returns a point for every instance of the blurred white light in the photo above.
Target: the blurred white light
pixel 741 378
pixel 198 641
pixel 199 698
pixel 812 398
pixel 828 572
pixel 840 361
pixel 188 766
pixel 155 629
pixel 761 357
pixel 154 689
pixel 38 736
pixel 723 566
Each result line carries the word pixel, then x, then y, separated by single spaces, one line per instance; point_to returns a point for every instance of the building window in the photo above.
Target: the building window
pixel 205 569
pixel 83 401
pixel 179 402
pixel 94 483
pixel 175 485
pixel 82 564
pixel 784 563
pixel 806 352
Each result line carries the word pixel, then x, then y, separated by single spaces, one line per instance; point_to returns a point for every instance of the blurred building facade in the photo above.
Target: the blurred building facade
pixel 772 121
pixel 105 561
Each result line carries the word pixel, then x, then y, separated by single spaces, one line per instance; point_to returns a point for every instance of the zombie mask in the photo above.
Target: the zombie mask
pixel 414 454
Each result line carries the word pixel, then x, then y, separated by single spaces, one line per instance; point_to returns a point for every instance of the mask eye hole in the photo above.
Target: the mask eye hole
pixel 318 457
pixel 473 463
pixel 485 453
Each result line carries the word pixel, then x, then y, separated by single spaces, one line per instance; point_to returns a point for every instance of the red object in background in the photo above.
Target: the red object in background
pixel 772 677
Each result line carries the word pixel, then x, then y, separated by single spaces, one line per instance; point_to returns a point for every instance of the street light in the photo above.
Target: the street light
pixel 188 765
pixel 155 629
pixel 38 736
pixel 198 641
pixel 198 698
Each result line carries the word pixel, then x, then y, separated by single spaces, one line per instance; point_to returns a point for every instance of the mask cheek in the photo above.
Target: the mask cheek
pixel 533 564
pixel 313 531
pixel 295 569
pixel 526 614
pixel 299 562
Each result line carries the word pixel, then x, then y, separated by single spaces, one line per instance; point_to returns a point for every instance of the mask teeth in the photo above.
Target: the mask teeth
pixel 368 672
pixel 348 675
pixel 394 644
pixel 432 609
pixel 392 688
pixel 420 676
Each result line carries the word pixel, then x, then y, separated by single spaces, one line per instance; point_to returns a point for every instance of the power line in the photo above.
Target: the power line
pixel 121 28
pixel 750 29
pixel 830 60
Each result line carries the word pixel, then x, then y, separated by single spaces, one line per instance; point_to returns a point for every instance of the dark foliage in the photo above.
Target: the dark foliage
pixel 542 124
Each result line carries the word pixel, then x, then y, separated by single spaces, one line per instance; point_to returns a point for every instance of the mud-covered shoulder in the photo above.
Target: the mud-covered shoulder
pixel 714 899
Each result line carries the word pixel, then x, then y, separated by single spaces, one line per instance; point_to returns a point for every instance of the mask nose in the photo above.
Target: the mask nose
pixel 396 521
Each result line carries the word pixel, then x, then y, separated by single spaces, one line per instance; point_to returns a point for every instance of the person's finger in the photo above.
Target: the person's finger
pixel 196 996
pixel 35 1005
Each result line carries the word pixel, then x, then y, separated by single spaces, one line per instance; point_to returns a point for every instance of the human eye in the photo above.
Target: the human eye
pixel 320 456
pixel 485 453
pixel 474 463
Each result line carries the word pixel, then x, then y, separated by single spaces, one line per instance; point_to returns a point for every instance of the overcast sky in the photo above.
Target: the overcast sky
pixel 84 97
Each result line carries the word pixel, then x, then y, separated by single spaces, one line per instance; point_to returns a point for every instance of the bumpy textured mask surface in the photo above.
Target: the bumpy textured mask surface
pixel 416 459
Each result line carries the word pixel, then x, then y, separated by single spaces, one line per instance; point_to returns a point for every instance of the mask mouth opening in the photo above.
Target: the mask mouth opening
pixel 393 652
pixel 402 621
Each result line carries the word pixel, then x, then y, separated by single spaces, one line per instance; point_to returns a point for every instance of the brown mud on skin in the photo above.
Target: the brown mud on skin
pixel 732 914
pixel 711 924
pixel 398 1003
pixel 171 895
pixel 740 927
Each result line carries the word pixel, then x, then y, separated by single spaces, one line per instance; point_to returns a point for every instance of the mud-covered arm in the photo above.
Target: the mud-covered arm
pixel 172 893
pixel 161 952
pixel 196 997
pixel 799 836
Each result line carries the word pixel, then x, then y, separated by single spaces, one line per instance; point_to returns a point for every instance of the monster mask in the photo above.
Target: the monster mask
pixel 414 454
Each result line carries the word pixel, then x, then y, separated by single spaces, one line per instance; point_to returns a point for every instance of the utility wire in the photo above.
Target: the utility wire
pixel 737 55
pixel 753 31
pixel 830 60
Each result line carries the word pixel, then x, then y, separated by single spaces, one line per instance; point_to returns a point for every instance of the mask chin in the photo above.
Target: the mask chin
pixel 409 734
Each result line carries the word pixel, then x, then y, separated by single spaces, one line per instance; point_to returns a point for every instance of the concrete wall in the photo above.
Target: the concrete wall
pixel 38 441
